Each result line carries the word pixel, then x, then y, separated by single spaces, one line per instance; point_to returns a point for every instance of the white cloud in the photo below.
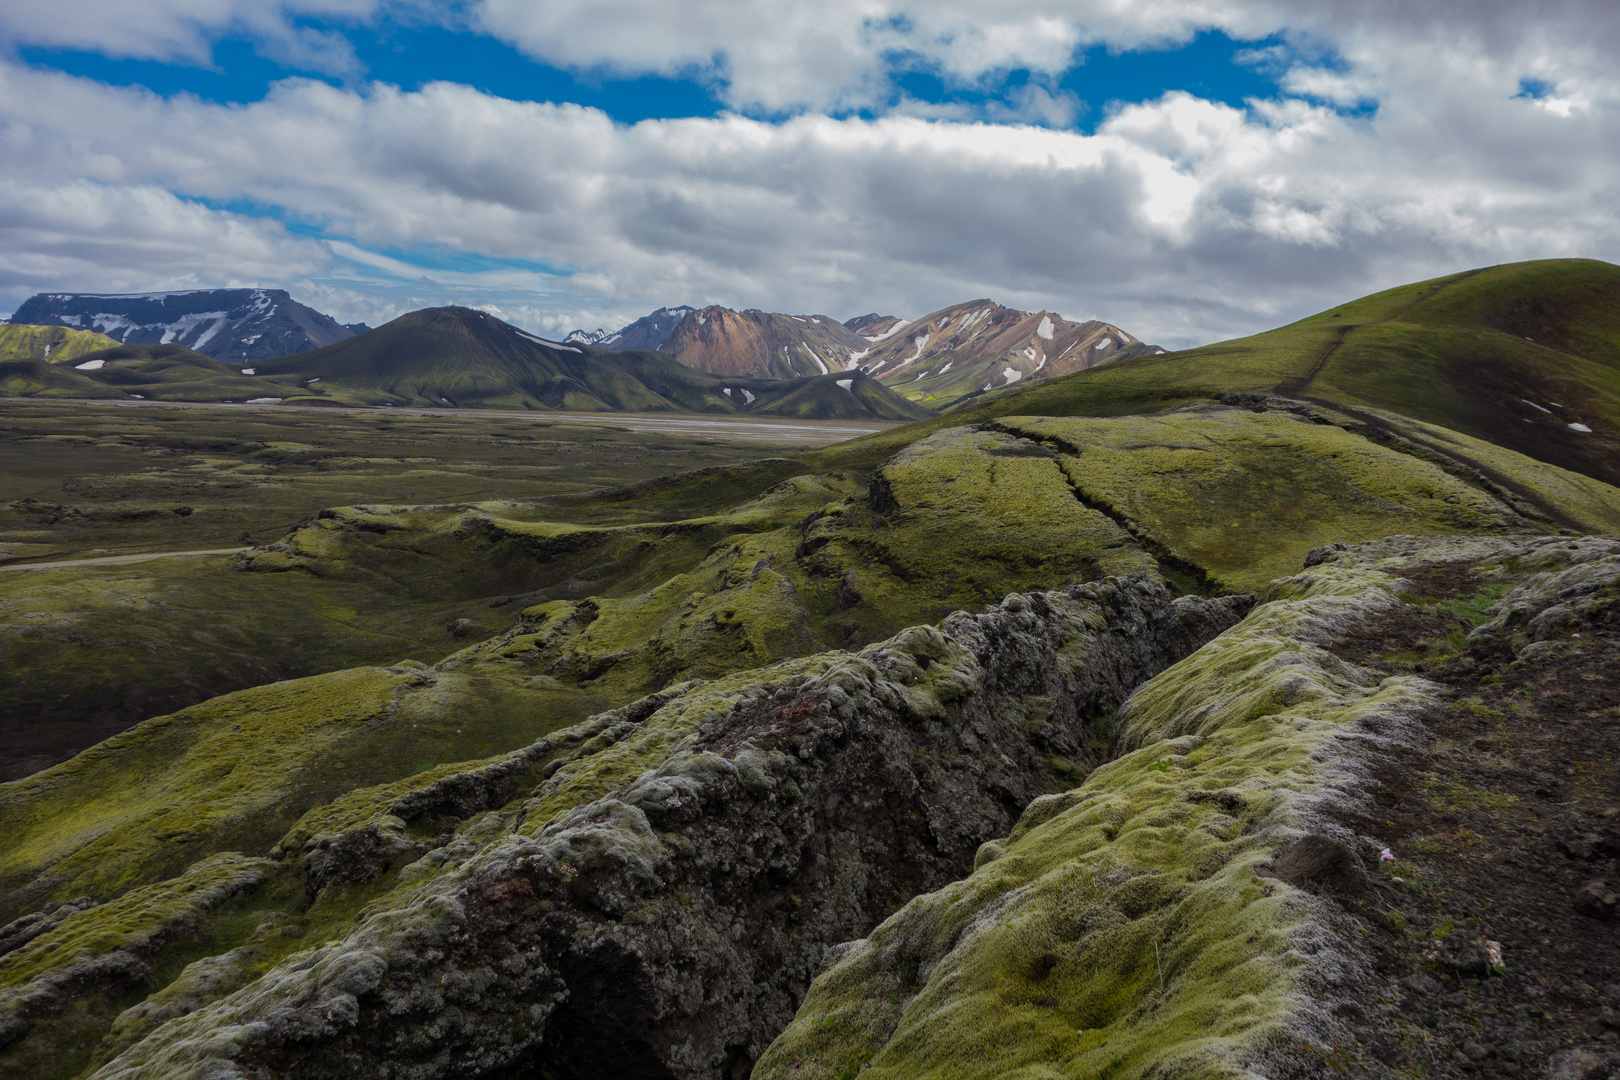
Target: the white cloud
pixel 1181 219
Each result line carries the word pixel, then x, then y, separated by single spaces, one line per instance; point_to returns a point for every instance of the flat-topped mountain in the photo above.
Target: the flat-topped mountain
pixel 979 346
pixel 762 344
pixel 228 324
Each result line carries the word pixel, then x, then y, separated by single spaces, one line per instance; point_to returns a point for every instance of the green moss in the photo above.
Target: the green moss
pixel 1244 496
pixel 1121 930
pixel 58 344
pixel 236 772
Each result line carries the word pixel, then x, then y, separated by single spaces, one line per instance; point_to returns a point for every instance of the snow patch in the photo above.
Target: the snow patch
pixel 921 341
pixel 249 371
pixel 1533 405
pixel 857 357
pixel 1580 427
pixel 1104 343
pixel 549 344
pixel 820 364
pixel 1045 329
pixel 312 382
pixel 264 401
pixel 748 399
pixel 91 365
pixel 1012 375
pixel 847 384
pixel 890 332
pixel 947 366
pixel 726 390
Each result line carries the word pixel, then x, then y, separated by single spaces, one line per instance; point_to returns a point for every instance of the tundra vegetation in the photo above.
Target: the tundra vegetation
pixel 1228 721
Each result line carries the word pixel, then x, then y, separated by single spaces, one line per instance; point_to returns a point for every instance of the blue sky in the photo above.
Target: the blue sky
pixel 1188 175
pixel 1211 65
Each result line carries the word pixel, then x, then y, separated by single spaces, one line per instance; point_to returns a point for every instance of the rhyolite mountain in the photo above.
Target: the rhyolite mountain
pixel 971 348
pixel 463 358
pixel 227 324
pixel 761 344
pixel 1222 717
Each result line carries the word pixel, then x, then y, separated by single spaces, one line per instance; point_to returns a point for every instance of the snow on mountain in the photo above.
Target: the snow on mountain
pixel 647 332
pixel 984 347
pixel 875 327
pixel 227 324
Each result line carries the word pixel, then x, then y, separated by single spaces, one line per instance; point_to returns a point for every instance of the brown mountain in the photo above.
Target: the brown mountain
pixel 980 346
pixel 763 344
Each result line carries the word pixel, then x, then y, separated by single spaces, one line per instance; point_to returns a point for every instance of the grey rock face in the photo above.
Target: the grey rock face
pixel 671 927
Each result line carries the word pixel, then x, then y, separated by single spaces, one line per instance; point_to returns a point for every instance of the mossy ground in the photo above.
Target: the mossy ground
pixel 1122 930
pixel 85 653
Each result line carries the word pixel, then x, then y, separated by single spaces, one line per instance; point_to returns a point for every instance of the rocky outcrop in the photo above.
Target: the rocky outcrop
pixel 659 904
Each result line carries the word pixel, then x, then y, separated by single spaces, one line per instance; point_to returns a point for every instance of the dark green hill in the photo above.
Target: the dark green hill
pixel 469 359
pixel 150 372
pixel 1524 355
pixel 40 378
pixel 841 395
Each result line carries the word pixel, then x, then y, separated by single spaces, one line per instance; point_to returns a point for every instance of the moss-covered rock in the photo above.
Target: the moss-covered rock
pixel 662 898
pixel 1184 911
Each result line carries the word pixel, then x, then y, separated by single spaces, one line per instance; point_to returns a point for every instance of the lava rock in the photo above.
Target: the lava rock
pixel 1578 1065
pixel 1583 848
pixel 1597 900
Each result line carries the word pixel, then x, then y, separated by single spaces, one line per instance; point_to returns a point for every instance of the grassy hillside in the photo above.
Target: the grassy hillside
pixel 841 395
pixel 1469 353
pixel 149 372
pixel 53 343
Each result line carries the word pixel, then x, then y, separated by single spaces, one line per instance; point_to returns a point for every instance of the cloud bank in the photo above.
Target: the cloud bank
pixel 1404 143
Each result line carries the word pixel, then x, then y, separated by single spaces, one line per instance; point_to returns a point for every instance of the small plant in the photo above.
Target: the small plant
pixel 1162 765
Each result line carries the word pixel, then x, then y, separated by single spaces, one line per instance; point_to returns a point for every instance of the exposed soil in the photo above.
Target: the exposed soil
pixel 1497 828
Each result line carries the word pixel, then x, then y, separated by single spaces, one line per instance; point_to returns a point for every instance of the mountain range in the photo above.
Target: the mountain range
pixel 227 324
pixel 955 353
pixel 463 358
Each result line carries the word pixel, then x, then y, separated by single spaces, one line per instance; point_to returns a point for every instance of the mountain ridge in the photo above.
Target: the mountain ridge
pixel 761 344
pixel 979 346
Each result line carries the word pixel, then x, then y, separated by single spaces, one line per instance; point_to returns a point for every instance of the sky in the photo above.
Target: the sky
pixel 1190 170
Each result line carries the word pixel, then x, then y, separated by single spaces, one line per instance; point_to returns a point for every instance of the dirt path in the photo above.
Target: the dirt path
pixel 121 560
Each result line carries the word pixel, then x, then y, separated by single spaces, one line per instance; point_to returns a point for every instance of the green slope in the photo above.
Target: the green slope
pixel 150 372
pixel 53 343
pixel 1468 353
pixel 470 359
pixel 842 395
